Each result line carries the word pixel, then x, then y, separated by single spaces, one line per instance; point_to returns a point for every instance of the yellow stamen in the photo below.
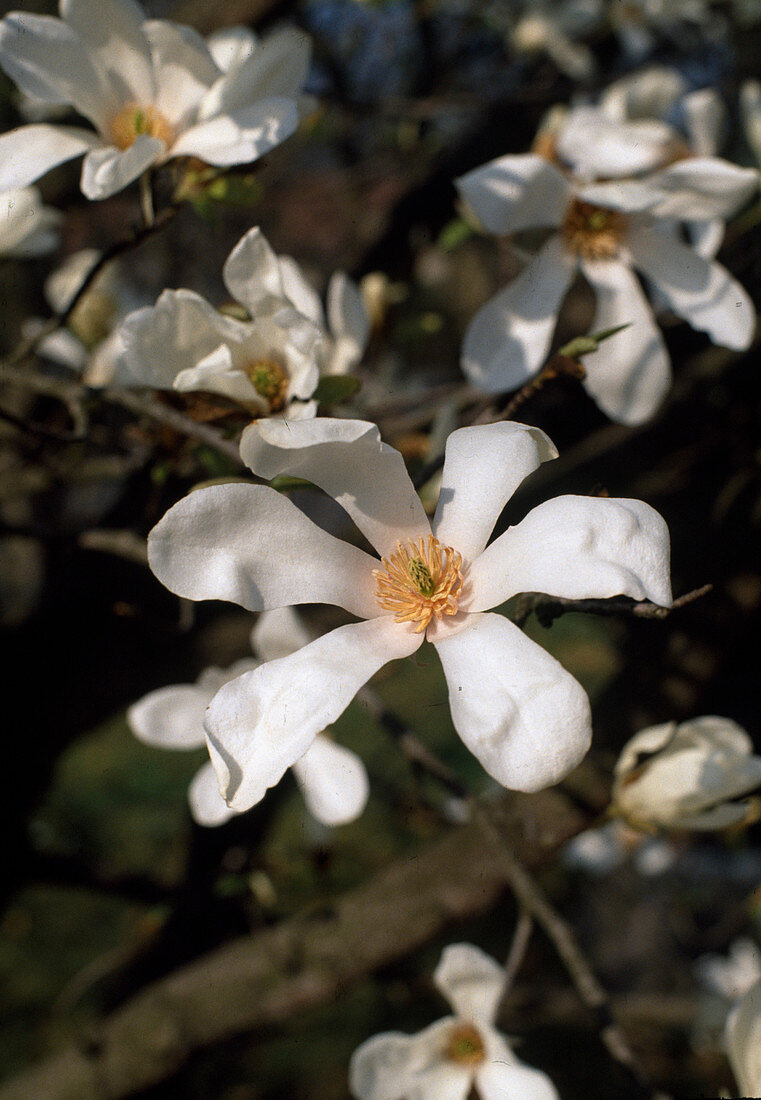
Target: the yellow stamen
pixel 465 1046
pixel 270 381
pixel 135 119
pixel 420 582
pixel 593 232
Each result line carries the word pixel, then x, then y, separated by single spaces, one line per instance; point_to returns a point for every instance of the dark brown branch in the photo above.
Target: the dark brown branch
pixel 548 608
pixel 304 961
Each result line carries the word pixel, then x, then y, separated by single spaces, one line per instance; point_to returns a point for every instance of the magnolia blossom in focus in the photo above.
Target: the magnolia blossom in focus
pixel 332 779
pixel 524 717
pixel 686 776
pixel 27 228
pixel 602 231
pixel 151 89
pixel 269 364
pixel 742 1037
pixel 454 1055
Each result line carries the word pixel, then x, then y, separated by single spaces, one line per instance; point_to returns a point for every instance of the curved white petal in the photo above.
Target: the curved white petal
pixel 262 723
pixel 207 806
pixel 299 292
pixel 509 337
pixel 743 1039
pixel 48 60
pixel 278 633
pixel 706 237
pixel 578 548
pixel 393 1066
pixel 217 374
pixel 483 467
pixel 239 138
pixel 699 290
pixel 346 311
pixel 595 145
pixel 27 228
pixel 471 981
pixel 183 69
pixel 277 66
pixel 630 374
pixel 252 274
pixel 515 192
pixel 111 32
pixel 30 151
pixel 230 46
pixel 251 546
pixel 347 459
pixel 333 782
pixel 106 171
pixel 171 717
pixel 704 113
pixel 513 1081
pixel 649 93
pixel 516 708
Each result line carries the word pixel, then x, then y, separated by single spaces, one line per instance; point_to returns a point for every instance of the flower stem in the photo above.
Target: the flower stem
pixel 146 198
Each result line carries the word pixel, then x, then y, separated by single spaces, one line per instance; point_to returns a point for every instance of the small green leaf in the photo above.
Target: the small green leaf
pixel 585 345
pixel 333 388
pixel 454 234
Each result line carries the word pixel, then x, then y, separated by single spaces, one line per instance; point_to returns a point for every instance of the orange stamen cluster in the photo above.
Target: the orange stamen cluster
pixel 420 582
pixel 270 381
pixel 465 1046
pixel 134 120
pixel 593 232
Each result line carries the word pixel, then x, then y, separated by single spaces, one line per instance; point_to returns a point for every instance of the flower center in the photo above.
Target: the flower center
pixel 465 1046
pixel 420 582
pixel 592 231
pixel 133 120
pixel 270 381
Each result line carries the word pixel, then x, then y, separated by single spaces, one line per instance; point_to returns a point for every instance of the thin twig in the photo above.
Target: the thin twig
pixel 548 608
pixel 516 954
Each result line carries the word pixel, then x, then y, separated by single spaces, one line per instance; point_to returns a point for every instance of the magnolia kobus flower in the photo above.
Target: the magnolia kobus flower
pixel 731 976
pixel 27 227
pixel 454 1055
pixel 331 778
pixel 687 776
pixel 269 364
pixel 603 230
pixel 742 1037
pixel 275 283
pixel 152 90
pixel 515 707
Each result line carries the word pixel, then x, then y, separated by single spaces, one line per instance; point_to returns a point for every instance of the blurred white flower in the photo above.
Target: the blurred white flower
pixel 151 89
pixel 332 779
pixel 600 851
pixel 750 108
pixel 515 707
pixel 457 1053
pixel 731 976
pixel 603 230
pixel 687 776
pixel 553 29
pixel 269 364
pixel 27 227
pixel 742 1036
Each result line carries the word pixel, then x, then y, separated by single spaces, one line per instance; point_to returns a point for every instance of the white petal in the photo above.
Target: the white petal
pixel 111 31
pixel 30 151
pixel 183 68
pixel 347 459
pixel 597 146
pixel 230 46
pixel 278 633
pixel 251 546
pixel 501 1081
pixel 299 292
pixel 392 1066
pixel 48 60
pixel 704 112
pixel 750 109
pixel 262 723
pixel 701 291
pixel 483 467
pixel 171 717
pixel 239 138
pixel 471 981
pixel 743 1040
pixel 578 548
pixel 217 374
pixel 207 805
pixel 278 66
pixel 630 374
pixel 333 781
pixel 516 708
pixel 347 315
pixel 252 274
pixel 649 93
pixel 509 337
pixel 27 228
pixel 106 171
pixel 514 193
pixel 706 237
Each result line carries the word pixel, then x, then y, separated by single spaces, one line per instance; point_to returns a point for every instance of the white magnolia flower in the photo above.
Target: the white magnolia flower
pixel 332 779
pixel 151 89
pixel 457 1053
pixel 603 230
pixel 686 776
pixel 731 975
pixel 743 1041
pixel 267 365
pixel 524 717
pixel 276 282
pixel 27 227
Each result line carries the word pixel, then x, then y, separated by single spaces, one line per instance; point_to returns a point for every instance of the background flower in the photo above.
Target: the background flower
pixel 27 227
pixel 743 1040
